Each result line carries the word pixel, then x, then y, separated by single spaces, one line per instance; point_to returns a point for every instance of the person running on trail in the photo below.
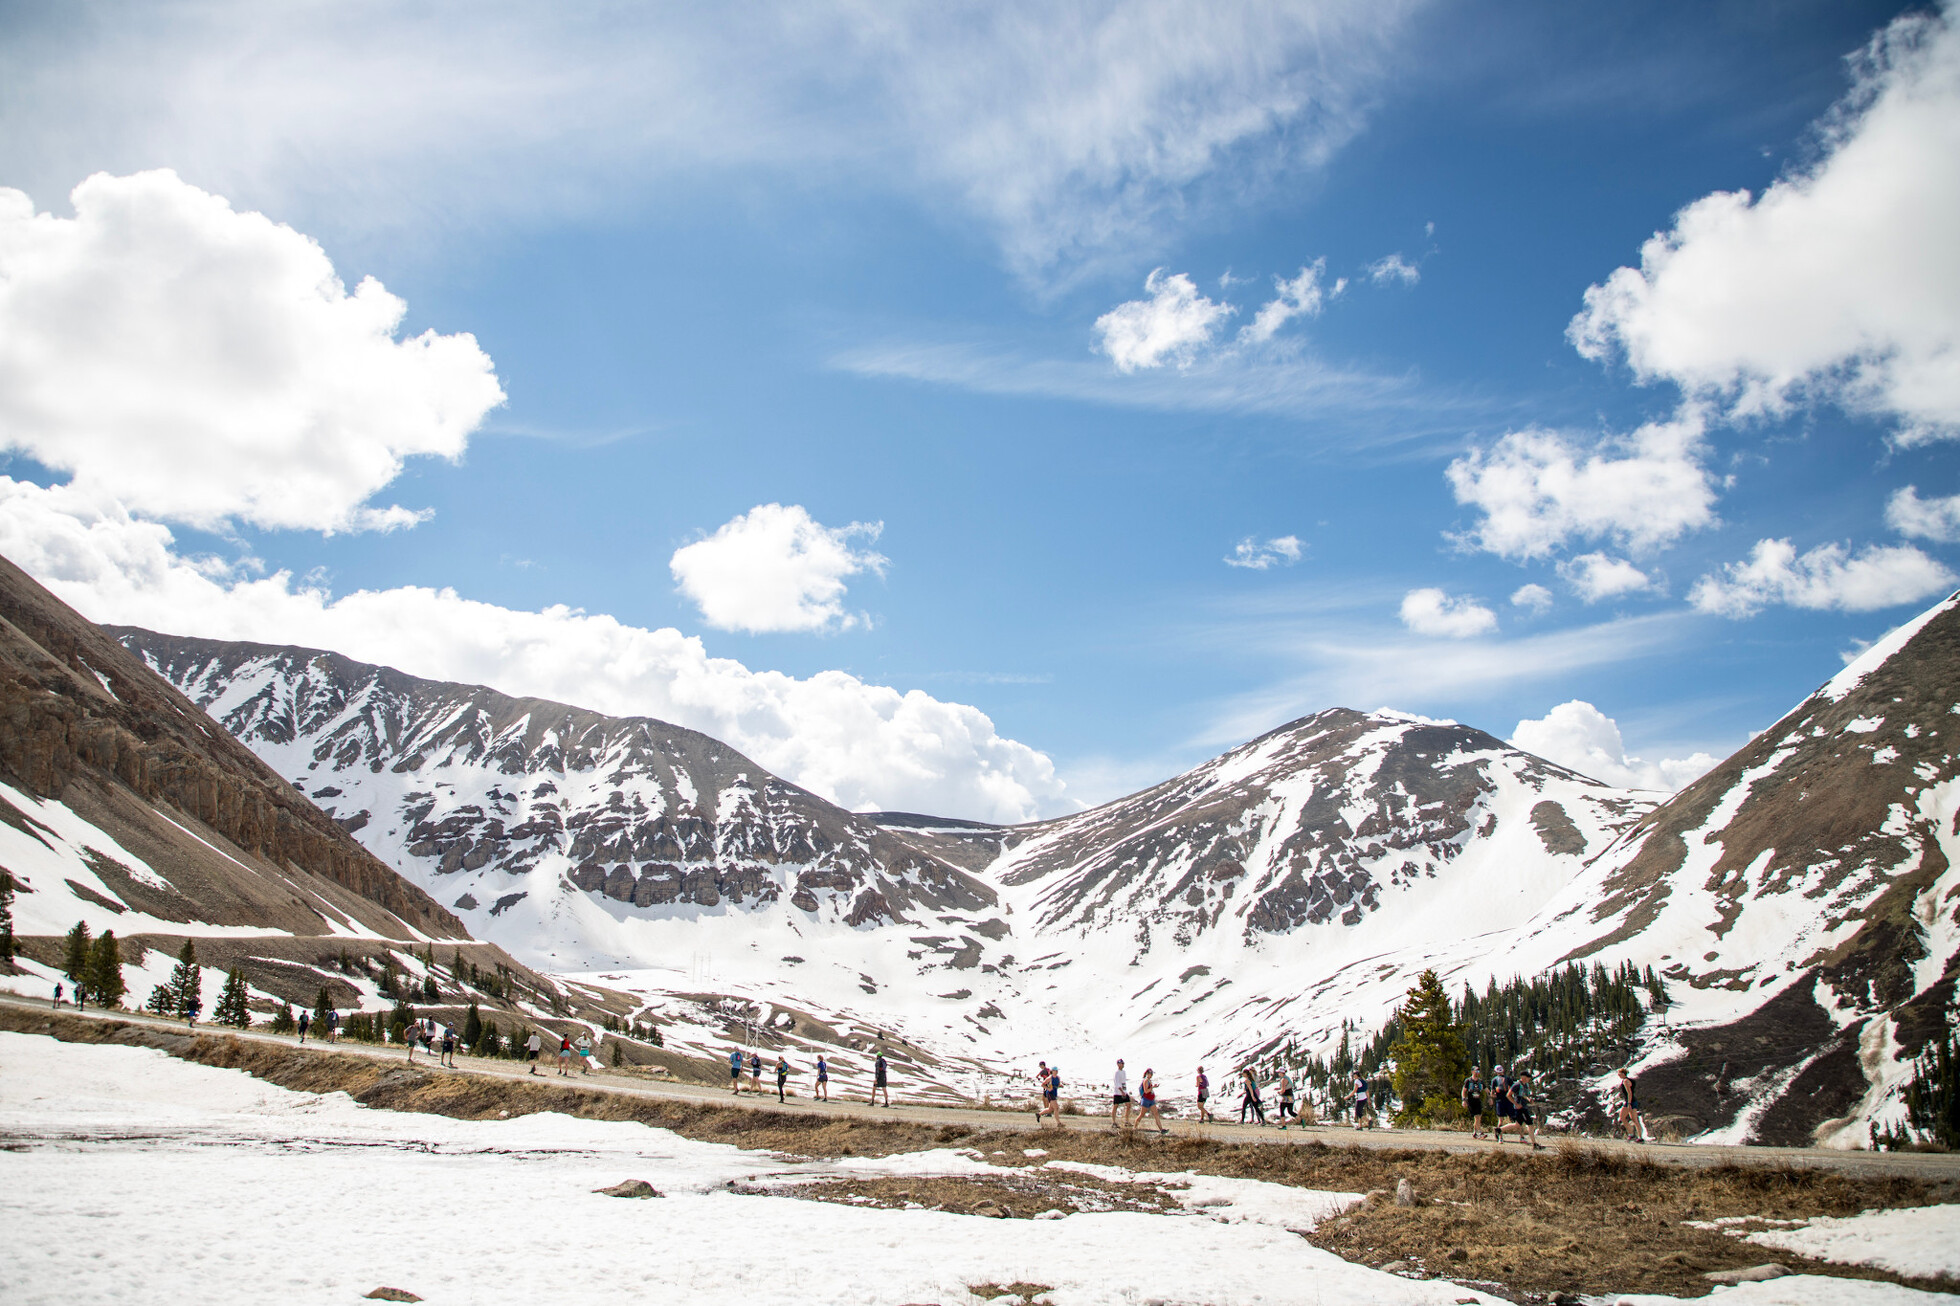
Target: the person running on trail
pixel 305 1019
pixel 1286 1099
pixel 1040 1089
pixel 410 1036
pixel 191 1009
pixel 755 1073
pixel 1051 1095
pixel 1147 1101
pixel 532 1046
pixel 565 1055
pixel 1119 1095
pixel 584 1049
pixel 1500 1101
pixel 1628 1093
pixel 823 1078
pixel 782 1077
pixel 1361 1107
pixel 880 1080
pixel 1249 1097
pixel 57 995
pixel 449 1046
pixel 1473 1101
pixel 735 1071
pixel 1204 1096
pixel 333 1024
pixel 1521 1118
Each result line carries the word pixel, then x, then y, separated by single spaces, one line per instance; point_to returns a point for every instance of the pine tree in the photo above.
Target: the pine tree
pixel 430 993
pixel 322 1008
pixel 74 963
pixel 618 1056
pixel 232 1009
pixel 282 1019
pixel 163 1002
pixel 1430 1059
pixel 472 1027
pixel 186 981
pixel 6 917
pixel 1933 1096
pixel 104 971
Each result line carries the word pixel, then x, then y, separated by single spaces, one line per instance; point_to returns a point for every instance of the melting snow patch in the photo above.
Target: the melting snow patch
pixel 1863 725
pixel 1920 1241
pixel 1884 755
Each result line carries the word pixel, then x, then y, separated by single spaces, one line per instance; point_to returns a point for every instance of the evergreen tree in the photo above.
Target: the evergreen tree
pixel 1430 1059
pixel 186 981
pixel 6 917
pixel 617 1056
pixel 472 1027
pixel 163 1001
pixel 322 1008
pixel 74 963
pixel 232 1009
pixel 104 972
pixel 430 993
pixel 489 1043
pixel 282 1019
pixel 1933 1095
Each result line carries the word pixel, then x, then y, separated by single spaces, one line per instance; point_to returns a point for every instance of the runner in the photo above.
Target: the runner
pixel 735 1071
pixel 1119 1095
pixel 191 1009
pixel 565 1055
pixel 1361 1107
pixel 584 1049
pixel 1500 1102
pixel 57 994
pixel 1040 1091
pixel 1286 1098
pixel 1051 1096
pixel 755 1073
pixel 1521 1118
pixel 333 1024
pixel 1147 1101
pixel 1204 1096
pixel 878 1080
pixel 1473 1101
pixel 1628 1092
pixel 1249 1097
pixel 823 1078
pixel 532 1045
pixel 305 1019
pixel 782 1076
pixel 410 1035
pixel 449 1046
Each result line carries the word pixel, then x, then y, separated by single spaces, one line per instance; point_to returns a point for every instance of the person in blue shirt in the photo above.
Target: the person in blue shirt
pixel 735 1072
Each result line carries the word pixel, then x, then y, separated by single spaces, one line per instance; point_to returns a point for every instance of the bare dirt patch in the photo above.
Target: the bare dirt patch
pixel 1024 1196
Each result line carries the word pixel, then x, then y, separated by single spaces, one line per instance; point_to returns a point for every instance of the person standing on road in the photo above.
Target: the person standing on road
pixel 305 1019
pixel 1500 1102
pixel 782 1076
pixel 1204 1096
pixel 1147 1101
pixel 1119 1095
pixel 879 1077
pixel 1249 1097
pixel 1473 1101
pixel 1628 1093
pixel 532 1046
pixel 823 1079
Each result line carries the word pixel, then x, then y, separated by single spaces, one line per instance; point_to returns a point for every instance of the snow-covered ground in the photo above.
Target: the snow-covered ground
pixel 132 1176
pixel 1922 1241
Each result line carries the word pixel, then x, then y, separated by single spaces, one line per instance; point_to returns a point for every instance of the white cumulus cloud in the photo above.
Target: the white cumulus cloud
pixel 1596 576
pixel 1394 267
pixel 1539 490
pixel 1580 736
pixel 1925 519
pixel 205 366
pixel 775 568
pixel 1261 555
pixel 861 745
pixel 1532 598
pixel 1433 612
pixel 1172 325
pixel 1300 297
pixel 1826 577
pixel 1840 281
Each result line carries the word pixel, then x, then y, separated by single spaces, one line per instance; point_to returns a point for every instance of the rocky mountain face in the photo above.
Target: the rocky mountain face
pixel 222 838
pixel 1803 901
pixel 491 800
pixel 1325 821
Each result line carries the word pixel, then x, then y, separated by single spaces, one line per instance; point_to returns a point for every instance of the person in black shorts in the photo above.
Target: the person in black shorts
pixel 879 1083
pixel 782 1076
pixel 823 1079
pixel 1051 1097
pixel 1119 1096
pixel 1522 1119
pixel 1473 1101
pixel 1204 1096
pixel 1627 1091
pixel 1500 1101
pixel 735 1072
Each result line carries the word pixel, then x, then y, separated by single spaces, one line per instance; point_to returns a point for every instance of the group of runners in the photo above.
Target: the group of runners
pixel 820 1089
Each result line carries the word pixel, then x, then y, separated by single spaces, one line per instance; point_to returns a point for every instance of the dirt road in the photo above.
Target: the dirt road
pixel 1921 1165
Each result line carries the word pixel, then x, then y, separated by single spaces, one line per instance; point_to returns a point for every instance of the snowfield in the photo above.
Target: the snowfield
pixel 1923 1241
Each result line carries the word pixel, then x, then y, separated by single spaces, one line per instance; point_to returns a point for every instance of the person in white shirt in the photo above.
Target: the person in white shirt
pixel 1119 1096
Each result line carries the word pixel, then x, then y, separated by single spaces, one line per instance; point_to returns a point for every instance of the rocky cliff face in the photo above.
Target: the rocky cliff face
pixel 85 724
pixel 490 800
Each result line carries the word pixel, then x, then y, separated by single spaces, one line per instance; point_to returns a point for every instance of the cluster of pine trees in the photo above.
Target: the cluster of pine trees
pixel 1579 1021
pixel 6 917
pixel 94 966
pixel 1932 1101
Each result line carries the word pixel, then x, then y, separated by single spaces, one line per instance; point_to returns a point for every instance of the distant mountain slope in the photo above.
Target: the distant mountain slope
pixel 500 803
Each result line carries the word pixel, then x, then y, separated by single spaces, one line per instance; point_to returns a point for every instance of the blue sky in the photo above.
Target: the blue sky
pixel 871 267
